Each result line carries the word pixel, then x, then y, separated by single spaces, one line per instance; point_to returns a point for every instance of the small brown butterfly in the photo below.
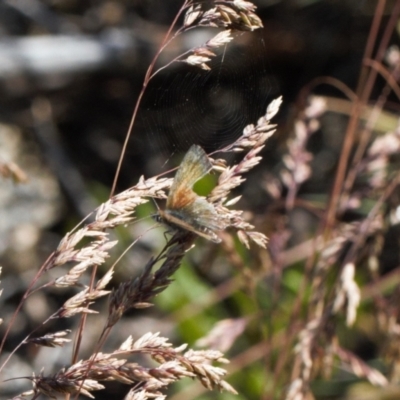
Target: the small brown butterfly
pixel 185 209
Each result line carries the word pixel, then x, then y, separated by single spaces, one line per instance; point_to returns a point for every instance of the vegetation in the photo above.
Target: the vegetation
pixel 310 312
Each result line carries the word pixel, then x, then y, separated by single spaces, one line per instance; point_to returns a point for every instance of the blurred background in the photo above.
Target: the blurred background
pixel 70 74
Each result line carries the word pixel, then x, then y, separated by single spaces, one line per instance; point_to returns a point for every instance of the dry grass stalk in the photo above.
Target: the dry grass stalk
pixel 138 292
pixel 253 139
pixel 88 246
pixel 297 168
pixel 237 15
pixel 340 297
pixel 359 368
pixel 330 277
pixel 52 339
pixel 347 294
pixel 119 211
pixel 84 376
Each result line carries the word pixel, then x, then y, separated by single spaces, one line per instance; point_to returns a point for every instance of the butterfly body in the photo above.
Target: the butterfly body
pixel 185 209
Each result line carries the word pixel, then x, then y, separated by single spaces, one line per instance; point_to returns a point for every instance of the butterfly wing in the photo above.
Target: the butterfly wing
pixel 194 166
pixel 199 217
pixel 184 208
pixel 204 214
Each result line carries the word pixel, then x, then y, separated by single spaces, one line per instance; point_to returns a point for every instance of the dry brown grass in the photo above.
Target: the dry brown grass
pixel 302 327
pixel 88 247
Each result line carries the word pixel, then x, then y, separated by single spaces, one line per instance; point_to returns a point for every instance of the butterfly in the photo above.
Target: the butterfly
pixel 185 209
